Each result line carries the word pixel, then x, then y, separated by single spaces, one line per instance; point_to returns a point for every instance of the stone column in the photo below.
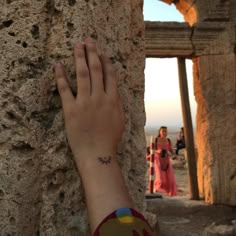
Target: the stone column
pixel 216 116
pixel 40 191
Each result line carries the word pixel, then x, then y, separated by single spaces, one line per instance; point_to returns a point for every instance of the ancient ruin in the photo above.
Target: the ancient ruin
pixel 208 38
pixel 40 192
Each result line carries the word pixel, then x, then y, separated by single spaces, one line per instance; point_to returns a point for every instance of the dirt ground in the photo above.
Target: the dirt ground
pixel 180 216
pixel 181 178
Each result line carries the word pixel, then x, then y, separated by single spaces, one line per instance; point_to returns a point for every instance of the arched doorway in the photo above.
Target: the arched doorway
pixel 185 108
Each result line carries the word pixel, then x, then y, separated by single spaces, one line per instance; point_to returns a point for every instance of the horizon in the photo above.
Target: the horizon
pixel 168 127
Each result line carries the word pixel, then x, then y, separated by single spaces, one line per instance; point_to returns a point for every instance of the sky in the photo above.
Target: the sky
pixel 162 96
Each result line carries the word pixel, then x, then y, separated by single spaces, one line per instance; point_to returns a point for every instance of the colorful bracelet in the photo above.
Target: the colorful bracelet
pixel 124 222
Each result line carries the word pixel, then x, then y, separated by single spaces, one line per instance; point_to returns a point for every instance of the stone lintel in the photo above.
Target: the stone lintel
pixel 173 39
pixel 168 39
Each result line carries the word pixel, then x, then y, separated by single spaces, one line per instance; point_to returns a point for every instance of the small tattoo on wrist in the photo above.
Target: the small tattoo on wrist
pixel 105 160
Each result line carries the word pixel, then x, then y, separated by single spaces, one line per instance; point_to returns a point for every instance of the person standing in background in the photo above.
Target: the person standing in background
pixel 165 179
pixel 180 144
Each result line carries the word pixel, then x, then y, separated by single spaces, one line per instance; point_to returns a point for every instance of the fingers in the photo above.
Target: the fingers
pixel 63 87
pixel 95 68
pixel 110 79
pixel 94 75
pixel 82 71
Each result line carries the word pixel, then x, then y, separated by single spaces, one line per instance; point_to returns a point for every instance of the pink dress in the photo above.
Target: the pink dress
pixel 164 179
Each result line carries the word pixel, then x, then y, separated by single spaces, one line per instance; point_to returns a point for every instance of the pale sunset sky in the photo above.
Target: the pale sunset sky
pixel 162 97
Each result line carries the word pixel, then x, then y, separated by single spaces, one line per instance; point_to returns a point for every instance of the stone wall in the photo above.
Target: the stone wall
pixel 216 115
pixel 40 191
pixel 215 92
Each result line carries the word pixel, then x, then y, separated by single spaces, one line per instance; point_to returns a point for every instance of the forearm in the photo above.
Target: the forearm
pixel 95 122
pixel 104 186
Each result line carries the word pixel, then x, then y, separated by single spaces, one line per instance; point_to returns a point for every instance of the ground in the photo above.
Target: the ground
pixel 180 216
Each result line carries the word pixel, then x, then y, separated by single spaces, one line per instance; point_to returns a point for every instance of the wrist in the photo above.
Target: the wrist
pixel 94 158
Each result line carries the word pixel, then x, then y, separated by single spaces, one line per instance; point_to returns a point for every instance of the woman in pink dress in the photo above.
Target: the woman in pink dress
pixel 165 179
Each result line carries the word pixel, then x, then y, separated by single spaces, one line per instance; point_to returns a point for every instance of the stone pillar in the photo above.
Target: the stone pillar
pixel 216 116
pixel 40 191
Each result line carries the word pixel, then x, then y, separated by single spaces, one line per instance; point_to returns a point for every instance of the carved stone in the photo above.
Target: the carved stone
pixel 168 39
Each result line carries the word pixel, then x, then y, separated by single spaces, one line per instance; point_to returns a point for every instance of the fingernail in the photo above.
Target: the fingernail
pixel 57 66
pixel 79 45
pixel 89 40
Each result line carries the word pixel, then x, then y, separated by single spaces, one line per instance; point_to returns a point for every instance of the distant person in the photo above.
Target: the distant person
pixel 94 121
pixel 165 179
pixel 180 144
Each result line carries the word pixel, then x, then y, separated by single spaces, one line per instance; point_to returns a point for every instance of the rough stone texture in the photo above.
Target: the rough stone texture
pixel 192 218
pixel 211 35
pixel 215 91
pixel 40 192
pixel 216 114
pixel 219 230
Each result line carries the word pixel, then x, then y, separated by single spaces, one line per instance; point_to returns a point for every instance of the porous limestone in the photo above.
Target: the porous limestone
pixel 40 189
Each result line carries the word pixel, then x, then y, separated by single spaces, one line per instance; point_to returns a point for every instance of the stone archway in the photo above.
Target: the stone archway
pixel 209 42
pixel 183 88
pixel 186 8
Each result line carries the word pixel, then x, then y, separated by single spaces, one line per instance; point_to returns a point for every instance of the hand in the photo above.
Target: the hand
pixel 94 119
pixel 158 151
